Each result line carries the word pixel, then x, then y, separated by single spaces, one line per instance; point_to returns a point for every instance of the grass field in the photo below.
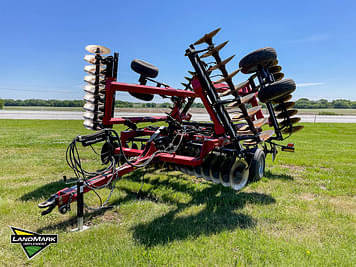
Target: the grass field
pixel 332 111
pixel 302 213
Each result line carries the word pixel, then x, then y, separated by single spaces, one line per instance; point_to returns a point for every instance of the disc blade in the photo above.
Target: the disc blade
pixel 282 99
pixel 242 128
pixel 260 122
pixel 252 111
pixel 91 88
pixel 293 129
pixel 91 79
pixel 290 121
pixel 242 133
pixel 265 135
pixel 91 69
pixel 214 50
pixel 239 174
pixel 222 63
pixel 229 77
pixel 278 76
pixel 238 116
pixel 287 114
pixel 250 142
pixel 232 104
pixel 224 171
pixel 227 92
pixel 241 85
pixel 93 116
pixel 214 168
pixel 207 37
pixel 97 49
pixel 205 167
pixel 90 58
pixel 275 69
pixel 247 98
pixel 283 106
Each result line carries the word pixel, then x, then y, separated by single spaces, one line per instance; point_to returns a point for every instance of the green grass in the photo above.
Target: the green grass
pixel 302 213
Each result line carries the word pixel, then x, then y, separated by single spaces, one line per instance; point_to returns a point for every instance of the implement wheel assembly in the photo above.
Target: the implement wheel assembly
pixel 257 166
pixel 263 57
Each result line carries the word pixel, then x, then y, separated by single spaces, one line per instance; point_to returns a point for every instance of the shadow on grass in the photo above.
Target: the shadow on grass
pixel 270 175
pixel 220 213
pixel 210 210
pixel 88 216
pixel 44 191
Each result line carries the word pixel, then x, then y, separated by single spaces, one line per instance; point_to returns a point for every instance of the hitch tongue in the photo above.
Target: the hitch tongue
pixel 49 203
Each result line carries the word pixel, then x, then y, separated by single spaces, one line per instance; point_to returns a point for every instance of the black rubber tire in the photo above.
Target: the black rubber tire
pixel 257 166
pixel 144 68
pixel 260 58
pixel 144 97
pixel 276 90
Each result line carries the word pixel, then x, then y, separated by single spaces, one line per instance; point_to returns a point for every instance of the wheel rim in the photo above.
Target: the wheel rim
pixel 261 167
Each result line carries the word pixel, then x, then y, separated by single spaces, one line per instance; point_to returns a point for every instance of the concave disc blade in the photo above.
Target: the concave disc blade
pixel 239 174
pixel 292 129
pixel 97 49
pixel 283 106
pixel 287 114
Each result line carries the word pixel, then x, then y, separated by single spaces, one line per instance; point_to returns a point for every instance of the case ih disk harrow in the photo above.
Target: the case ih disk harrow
pixel 230 150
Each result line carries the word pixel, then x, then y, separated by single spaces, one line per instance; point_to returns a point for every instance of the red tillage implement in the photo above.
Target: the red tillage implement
pixel 229 150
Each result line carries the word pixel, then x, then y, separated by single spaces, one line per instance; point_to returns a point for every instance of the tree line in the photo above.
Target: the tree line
pixel 302 103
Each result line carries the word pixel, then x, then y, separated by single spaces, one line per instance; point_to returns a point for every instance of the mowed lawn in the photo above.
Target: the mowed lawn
pixel 302 213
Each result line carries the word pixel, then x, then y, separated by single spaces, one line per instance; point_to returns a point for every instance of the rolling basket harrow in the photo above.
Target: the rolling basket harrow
pixel 229 150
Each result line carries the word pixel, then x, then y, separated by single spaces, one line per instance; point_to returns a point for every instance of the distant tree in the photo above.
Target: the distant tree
pixel 1 104
pixel 341 103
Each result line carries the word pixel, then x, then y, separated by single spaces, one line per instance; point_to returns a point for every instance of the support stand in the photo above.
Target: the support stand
pixel 80 208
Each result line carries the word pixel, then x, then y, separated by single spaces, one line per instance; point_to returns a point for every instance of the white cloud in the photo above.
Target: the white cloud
pixel 309 84
pixel 312 38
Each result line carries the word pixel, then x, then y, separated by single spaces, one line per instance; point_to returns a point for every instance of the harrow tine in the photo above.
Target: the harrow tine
pixel 283 106
pixel 292 129
pixel 265 135
pixel 275 69
pixel 229 77
pixel 188 79
pixel 191 72
pixel 289 121
pixel 222 63
pixel 214 50
pixel 282 99
pixel 287 114
pixel 186 85
pixel 207 38
pixel 278 76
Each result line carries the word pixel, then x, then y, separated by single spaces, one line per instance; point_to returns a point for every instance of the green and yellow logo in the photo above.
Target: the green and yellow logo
pixel 32 243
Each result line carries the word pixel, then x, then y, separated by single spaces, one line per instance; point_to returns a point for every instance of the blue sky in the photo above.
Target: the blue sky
pixel 42 42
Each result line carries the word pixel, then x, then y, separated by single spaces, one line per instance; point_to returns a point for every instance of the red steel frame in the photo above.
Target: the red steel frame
pixel 67 195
